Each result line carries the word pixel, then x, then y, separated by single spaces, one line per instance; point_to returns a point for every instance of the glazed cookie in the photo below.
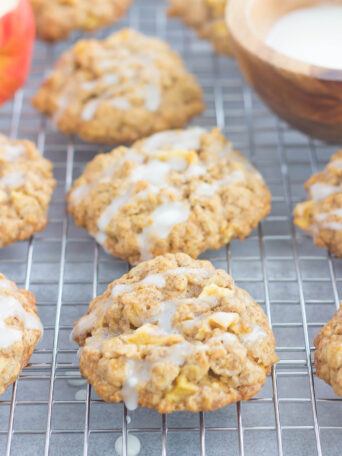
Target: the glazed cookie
pixel 176 191
pixel 207 17
pixel 56 19
pixel 328 354
pixel 321 214
pixel 20 330
pixel 120 89
pixel 175 334
pixel 26 185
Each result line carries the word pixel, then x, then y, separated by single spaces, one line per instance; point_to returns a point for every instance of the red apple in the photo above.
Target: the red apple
pixel 16 42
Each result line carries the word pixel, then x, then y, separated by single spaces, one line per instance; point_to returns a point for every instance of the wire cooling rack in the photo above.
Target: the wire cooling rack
pixel 51 411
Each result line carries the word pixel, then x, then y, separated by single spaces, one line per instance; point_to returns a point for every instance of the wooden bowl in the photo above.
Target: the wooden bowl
pixel 308 97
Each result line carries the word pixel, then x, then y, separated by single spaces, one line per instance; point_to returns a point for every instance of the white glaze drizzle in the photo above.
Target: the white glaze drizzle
pixel 195 170
pixel 251 338
pixel 155 279
pixel 11 307
pixel 336 164
pixel 86 323
pixel 121 103
pixel 226 150
pixel 135 68
pixel 6 284
pixel 208 190
pixel 164 218
pixel 122 288
pixel 154 173
pixel 324 215
pixel 184 270
pixel 232 178
pixel 81 395
pixel 101 238
pixel 226 338
pixel 138 372
pixel 90 85
pixel 186 139
pixel 128 74
pixel 333 225
pixel 165 316
pixel 9 336
pixel 80 192
pixel 159 280
pixel 153 97
pixel 133 444
pixel 12 152
pixel 62 104
pixel 112 210
pixel 205 189
pixel 90 109
pixel 320 190
pixel 14 179
pixel 110 78
pixel 77 380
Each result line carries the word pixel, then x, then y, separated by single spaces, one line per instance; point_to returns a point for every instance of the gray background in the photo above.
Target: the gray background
pixel 51 410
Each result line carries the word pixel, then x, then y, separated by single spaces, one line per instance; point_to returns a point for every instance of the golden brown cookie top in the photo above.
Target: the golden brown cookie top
pixel 56 19
pixel 328 354
pixel 207 17
pixel 181 190
pixel 321 214
pixel 26 185
pixel 20 330
pixel 175 334
pixel 121 88
pixel 18 313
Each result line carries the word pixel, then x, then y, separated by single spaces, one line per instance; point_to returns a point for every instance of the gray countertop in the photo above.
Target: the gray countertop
pixel 51 409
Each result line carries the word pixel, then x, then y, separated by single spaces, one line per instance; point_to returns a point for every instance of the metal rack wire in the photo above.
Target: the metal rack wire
pixel 51 411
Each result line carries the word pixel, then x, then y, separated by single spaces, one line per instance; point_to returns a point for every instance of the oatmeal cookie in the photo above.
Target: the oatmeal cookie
pixel 328 354
pixel 120 89
pixel 175 334
pixel 176 191
pixel 207 17
pixel 321 214
pixel 56 19
pixel 20 330
pixel 26 185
